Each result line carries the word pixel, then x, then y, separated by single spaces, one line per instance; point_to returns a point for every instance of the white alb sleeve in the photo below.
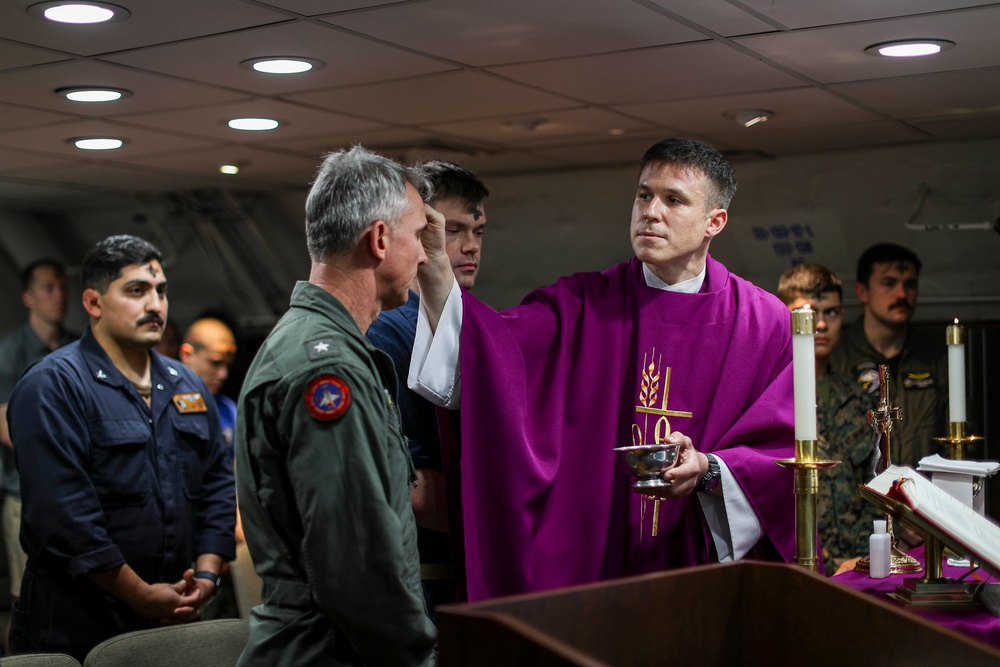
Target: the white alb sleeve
pixel 732 520
pixel 434 371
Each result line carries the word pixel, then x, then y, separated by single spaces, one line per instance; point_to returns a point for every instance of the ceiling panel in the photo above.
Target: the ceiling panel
pixel 436 98
pixel 54 139
pixel 318 7
pixel 797 107
pixel 17 117
pixel 838 54
pixel 348 59
pixel 210 122
pixel 486 32
pixel 652 75
pixel 811 13
pixel 445 78
pixel 926 96
pixel 548 128
pixel 168 21
pixel 13 55
pixel 720 16
pixel 36 87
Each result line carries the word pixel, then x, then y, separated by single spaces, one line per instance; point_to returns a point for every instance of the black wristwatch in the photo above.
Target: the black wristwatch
pixel 711 479
pixel 211 576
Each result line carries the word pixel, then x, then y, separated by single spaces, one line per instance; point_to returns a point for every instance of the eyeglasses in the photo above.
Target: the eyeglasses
pixel 832 313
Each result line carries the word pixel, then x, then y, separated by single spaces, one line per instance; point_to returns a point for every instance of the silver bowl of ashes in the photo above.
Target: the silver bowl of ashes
pixel 646 462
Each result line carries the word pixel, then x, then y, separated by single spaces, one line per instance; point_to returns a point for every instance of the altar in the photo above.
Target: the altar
pixel 744 613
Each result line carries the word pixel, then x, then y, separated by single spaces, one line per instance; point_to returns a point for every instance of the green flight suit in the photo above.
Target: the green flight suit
pixel 918 385
pixel 324 479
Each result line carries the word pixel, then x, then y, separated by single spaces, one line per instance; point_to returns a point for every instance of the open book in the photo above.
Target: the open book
pixel 955 524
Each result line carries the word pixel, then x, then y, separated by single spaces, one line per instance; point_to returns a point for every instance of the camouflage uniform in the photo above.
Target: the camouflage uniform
pixel 844 517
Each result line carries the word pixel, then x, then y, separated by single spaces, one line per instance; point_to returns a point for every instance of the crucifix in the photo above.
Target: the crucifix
pixel 881 419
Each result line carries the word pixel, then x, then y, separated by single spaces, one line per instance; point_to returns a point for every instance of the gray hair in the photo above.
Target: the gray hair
pixel 353 189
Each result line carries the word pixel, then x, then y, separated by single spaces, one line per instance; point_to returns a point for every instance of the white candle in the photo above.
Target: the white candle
pixel 804 372
pixel 956 372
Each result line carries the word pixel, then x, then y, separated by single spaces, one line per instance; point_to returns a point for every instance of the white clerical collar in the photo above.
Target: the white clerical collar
pixel 690 286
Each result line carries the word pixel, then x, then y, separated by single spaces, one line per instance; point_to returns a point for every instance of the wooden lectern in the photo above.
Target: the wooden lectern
pixel 744 613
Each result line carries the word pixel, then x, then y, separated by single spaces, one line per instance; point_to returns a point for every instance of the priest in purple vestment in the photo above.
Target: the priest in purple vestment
pixel 669 346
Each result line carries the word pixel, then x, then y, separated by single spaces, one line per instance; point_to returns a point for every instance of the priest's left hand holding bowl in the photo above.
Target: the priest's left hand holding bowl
pixel 686 474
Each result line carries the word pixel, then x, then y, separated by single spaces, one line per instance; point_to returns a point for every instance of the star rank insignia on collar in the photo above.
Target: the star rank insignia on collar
pixel 101 375
pixel 171 370
pixel 327 398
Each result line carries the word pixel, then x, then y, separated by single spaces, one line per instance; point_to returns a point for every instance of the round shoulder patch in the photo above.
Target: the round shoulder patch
pixel 327 397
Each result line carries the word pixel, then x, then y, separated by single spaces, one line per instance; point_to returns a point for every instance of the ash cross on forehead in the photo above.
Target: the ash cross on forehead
pixel 152 270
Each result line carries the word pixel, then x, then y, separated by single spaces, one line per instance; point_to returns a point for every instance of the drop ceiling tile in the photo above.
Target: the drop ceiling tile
pixel 54 139
pixel 255 165
pixel 15 160
pixel 797 107
pixel 838 54
pixel 17 117
pixel 967 127
pixel 652 75
pixel 930 95
pixel 210 122
pixel 347 59
pixel 817 138
pixel 318 7
pixel 627 150
pixel 150 22
pixel 558 126
pixel 486 32
pixel 435 99
pixel 36 87
pixel 374 138
pixel 722 17
pixel 14 56
pixel 115 177
pixel 809 13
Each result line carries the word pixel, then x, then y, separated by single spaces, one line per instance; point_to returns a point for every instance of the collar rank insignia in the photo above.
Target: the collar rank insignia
pixel 190 402
pixel 327 398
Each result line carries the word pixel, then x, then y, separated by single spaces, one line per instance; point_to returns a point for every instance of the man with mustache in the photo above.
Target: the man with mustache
pixel 459 197
pixel 887 281
pixel 128 494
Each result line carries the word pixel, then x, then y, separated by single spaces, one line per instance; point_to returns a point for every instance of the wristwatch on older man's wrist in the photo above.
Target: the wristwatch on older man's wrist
pixel 711 479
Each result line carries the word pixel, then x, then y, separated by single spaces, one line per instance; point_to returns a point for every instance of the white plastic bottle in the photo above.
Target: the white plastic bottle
pixel 880 551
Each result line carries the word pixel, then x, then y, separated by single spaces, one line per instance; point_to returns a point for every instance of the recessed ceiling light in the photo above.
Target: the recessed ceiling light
pixel 254 124
pixel 910 48
pixel 229 169
pixel 749 117
pixel 92 94
pixel 98 143
pixel 78 11
pixel 282 64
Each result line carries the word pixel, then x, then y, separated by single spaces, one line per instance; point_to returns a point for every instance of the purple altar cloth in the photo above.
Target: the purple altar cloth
pixel 981 624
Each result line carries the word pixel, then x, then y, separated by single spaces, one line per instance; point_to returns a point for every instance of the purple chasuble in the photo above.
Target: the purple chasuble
pixel 551 386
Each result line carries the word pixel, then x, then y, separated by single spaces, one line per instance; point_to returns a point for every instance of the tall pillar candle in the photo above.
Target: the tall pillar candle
pixel 956 372
pixel 804 372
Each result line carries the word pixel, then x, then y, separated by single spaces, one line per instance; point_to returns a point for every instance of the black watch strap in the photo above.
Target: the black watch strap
pixel 712 477
pixel 211 576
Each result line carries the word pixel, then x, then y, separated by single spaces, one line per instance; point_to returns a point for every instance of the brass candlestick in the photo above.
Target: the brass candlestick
pixel 806 467
pixel 958 441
